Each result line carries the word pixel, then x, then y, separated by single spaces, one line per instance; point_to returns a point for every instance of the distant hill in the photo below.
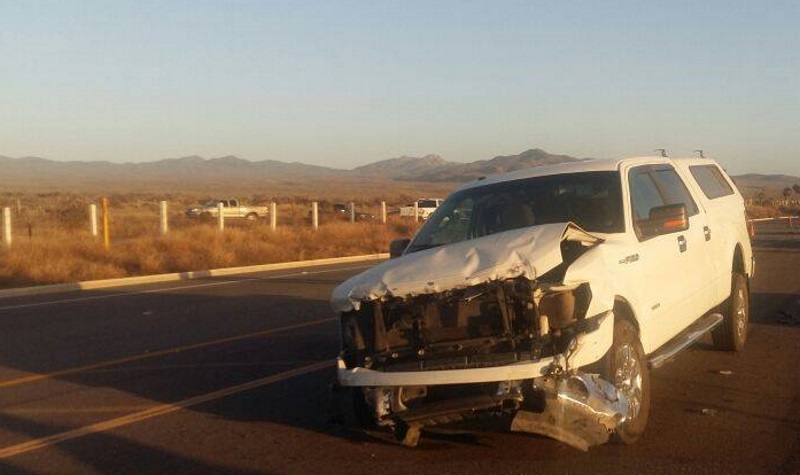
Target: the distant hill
pixel 461 172
pixel 403 168
pixel 751 184
pixel 38 174
pixel 435 168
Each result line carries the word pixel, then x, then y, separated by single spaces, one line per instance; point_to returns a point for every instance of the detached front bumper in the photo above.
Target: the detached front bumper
pixel 587 348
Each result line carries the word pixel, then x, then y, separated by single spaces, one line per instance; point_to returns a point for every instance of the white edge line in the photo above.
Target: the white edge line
pixel 176 276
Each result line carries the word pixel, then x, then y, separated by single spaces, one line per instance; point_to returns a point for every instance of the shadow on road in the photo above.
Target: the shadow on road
pixel 775 309
pixel 44 339
pixel 106 453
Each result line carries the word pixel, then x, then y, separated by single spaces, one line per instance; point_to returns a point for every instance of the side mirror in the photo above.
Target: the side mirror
pixel 397 247
pixel 664 220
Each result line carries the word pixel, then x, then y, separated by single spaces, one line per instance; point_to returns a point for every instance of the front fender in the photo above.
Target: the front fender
pixel 591 347
pixel 593 267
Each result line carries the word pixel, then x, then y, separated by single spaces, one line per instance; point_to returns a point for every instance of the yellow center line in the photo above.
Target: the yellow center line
pixel 154 354
pixel 171 367
pixel 73 410
pixel 156 411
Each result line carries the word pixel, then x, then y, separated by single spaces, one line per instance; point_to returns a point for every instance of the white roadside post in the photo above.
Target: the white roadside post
pixel 416 211
pixel 93 219
pixel 220 217
pixel 314 215
pixel 7 226
pixel 383 212
pixel 164 219
pixel 352 212
pixel 106 229
pixel 273 215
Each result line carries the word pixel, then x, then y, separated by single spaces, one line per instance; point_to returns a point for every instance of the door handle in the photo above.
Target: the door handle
pixel 682 243
pixel 707 233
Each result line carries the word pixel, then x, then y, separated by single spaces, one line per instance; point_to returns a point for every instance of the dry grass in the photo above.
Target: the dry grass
pixel 755 211
pixel 52 242
pixel 70 256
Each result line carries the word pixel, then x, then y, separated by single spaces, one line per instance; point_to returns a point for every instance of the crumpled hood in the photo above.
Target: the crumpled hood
pixel 528 251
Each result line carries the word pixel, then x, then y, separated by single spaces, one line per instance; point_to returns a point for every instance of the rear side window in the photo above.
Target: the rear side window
pixel 658 185
pixel 711 181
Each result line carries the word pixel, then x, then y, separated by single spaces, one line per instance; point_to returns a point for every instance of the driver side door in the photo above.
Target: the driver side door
pixel 665 264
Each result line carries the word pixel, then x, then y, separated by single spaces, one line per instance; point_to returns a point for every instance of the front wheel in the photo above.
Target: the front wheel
pixel 349 408
pixel 731 334
pixel 625 366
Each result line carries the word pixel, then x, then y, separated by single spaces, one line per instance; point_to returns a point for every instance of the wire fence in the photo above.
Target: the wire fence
pixel 105 220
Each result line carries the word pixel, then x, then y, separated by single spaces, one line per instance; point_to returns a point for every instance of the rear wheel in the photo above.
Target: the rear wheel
pixel 625 366
pixel 732 333
pixel 251 216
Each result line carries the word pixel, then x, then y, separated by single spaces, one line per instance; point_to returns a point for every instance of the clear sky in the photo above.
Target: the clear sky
pixel 343 83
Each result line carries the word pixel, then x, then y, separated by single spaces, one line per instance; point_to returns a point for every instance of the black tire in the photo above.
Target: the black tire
pixel 251 216
pixel 350 409
pixel 731 334
pixel 625 365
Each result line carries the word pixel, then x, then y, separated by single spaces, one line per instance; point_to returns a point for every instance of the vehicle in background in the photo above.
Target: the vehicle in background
pixel 344 211
pixel 341 212
pixel 425 206
pixel 231 208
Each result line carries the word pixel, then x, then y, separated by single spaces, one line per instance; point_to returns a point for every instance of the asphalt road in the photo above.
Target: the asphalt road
pixel 231 375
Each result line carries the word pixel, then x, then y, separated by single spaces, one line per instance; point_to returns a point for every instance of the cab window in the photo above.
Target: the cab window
pixel 711 181
pixel 657 185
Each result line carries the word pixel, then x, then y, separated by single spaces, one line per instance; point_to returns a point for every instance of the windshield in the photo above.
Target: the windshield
pixel 592 200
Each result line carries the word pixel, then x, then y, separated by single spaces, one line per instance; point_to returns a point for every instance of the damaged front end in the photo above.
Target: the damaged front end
pixel 511 344
pixel 492 324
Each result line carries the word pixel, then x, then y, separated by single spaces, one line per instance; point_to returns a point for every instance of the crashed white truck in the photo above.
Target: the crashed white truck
pixel 545 297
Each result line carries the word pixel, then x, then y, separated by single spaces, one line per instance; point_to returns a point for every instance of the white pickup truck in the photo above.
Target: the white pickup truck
pixel 425 207
pixel 548 294
pixel 231 208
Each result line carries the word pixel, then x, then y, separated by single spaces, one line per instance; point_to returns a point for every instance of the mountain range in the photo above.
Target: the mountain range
pixel 195 171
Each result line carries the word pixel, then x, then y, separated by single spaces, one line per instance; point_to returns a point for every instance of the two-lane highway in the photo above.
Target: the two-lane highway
pixel 232 375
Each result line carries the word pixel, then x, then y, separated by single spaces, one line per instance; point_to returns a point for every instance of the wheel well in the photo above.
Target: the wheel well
pixel 738 261
pixel 623 310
